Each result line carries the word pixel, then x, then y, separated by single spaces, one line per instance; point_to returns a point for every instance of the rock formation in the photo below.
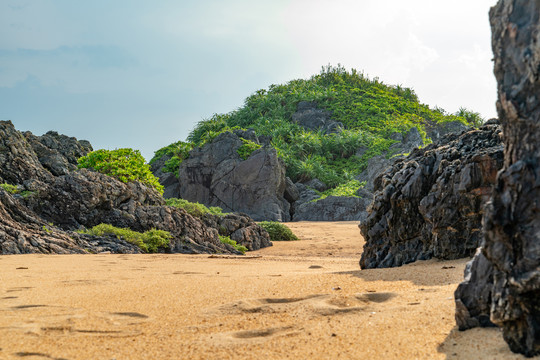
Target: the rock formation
pixel 216 175
pixel 430 203
pixel 309 116
pixel 507 271
pixel 69 200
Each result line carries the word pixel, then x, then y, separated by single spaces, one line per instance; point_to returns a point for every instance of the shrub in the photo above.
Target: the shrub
pixel 278 231
pixel 194 209
pixel 124 164
pixel 228 240
pixel 247 148
pixel 150 241
pixel 348 189
pixel 12 189
pixel 178 152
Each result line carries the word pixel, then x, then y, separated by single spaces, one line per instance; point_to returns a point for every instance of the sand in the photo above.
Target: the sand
pixel 296 300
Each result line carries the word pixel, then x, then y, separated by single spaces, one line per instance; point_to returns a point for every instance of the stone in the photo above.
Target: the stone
pixel 332 208
pixel 55 199
pixel 511 247
pixel 310 117
pixel 430 204
pixel 58 153
pixel 215 175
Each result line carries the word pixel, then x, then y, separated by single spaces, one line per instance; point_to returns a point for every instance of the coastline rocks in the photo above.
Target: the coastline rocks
pixel 511 247
pixel 52 200
pixel 23 232
pixel 215 175
pixel 430 204
pixel 240 228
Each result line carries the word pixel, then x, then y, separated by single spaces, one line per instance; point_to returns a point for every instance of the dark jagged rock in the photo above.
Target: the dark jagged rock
pixel 24 232
pixel 310 117
pixel 511 249
pixel 332 208
pixel 215 175
pixel 240 228
pixel 52 193
pixel 58 153
pixel 18 161
pixel 437 131
pixel 430 204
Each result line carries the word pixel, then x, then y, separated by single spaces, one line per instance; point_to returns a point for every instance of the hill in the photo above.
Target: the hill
pixel 347 119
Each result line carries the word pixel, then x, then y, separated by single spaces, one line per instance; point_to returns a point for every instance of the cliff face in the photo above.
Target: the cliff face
pixel 52 200
pixel 507 270
pixel 430 204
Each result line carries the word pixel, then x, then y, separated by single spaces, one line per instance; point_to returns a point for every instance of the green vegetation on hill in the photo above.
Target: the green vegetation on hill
pixel 150 241
pixel 369 109
pixel 124 164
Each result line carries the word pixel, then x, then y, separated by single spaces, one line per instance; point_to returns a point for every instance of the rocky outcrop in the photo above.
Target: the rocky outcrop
pixel 215 175
pixel 310 117
pixel 24 232
pixel 240 228
pixel 430 204
pixel 507 270
pixel 309 206
pixel 58 153
pixel 54 200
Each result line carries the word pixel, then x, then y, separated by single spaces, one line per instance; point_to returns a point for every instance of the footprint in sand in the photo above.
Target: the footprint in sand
pixel 306 307
pixel 257 335
pixel 312 305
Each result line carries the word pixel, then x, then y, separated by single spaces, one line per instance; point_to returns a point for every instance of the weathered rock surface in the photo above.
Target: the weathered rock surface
pixel 58 153
pixel 240 228
pixel 431 203
pixel 310 117
pixel 331 208
pixel 215 175
pixel 23 232
pixel 508 267
pixel 55 194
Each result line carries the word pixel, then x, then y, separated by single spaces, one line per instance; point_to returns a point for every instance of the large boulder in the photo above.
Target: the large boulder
pixel 430 204
pixel 216 175
pixel 507 270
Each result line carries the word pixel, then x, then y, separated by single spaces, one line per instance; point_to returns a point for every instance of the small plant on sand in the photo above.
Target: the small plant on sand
pixel 124 164
pixel 150 241
pixel 194 209
pixel 228 240
pixel 278 231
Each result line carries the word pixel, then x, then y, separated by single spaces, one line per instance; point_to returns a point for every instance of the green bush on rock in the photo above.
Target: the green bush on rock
pixel 247 148
pixel 150 241
pixel 278 231
pixel 228 240
pixel 194 209
pixel 124 164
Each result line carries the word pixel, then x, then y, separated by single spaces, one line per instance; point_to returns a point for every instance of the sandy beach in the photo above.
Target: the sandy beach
pixel 296 300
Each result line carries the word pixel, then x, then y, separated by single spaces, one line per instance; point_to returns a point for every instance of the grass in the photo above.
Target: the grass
pixel 14 189
pixel 228 240
pixel 150 241
pixel 194 209
pixel 278 231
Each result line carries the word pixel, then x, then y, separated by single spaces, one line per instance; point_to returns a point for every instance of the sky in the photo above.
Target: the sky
pixel 141 74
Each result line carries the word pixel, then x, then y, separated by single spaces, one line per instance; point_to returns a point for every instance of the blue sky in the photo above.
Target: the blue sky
pixel 141 74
